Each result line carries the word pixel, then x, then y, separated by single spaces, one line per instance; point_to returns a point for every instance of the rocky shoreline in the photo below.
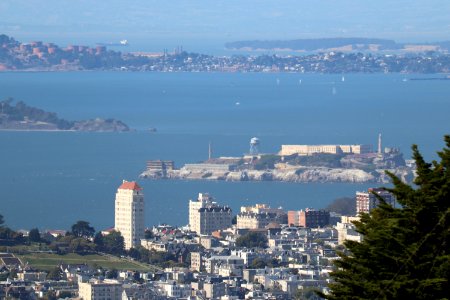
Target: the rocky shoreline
pixel 298 175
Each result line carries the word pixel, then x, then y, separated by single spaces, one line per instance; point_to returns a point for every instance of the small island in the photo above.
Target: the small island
pixel 295 163
pixel 20 116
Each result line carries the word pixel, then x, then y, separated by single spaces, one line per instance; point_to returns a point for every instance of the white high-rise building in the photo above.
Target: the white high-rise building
pixel 129 213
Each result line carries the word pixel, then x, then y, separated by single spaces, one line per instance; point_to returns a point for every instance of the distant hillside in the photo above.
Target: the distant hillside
pixel 350 44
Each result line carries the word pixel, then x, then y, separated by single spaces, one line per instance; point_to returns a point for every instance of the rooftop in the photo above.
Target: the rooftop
pixel 130 185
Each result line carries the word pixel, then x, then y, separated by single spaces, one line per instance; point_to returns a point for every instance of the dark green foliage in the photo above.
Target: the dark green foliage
pixel 306 293
pixel 266 162
pixel 81 246
pixel 134 253
pixel 258 263
pixel 252 240
pixel 82 229
pixel 345 206
pixel 405 251
pixel 55 274
pixel 112 274
pixel 34 235
pixel 148 234
pixel 21 111
pixel 113 243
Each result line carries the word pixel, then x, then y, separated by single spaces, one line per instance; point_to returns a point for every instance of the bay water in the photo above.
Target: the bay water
pixel 50 180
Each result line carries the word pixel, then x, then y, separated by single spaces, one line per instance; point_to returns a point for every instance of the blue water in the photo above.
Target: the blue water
pixel 53 179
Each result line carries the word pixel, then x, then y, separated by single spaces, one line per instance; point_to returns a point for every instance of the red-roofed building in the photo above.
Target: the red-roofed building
pixel 129 213
pixel 130 185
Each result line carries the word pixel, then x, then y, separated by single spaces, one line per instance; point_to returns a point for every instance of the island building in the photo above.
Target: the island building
pixel 129 213
pixel 206 167
pixel 206 216
pixel 160 165
pixel 259 216
pixel 309 218
pixel 287 150
pixel 366 201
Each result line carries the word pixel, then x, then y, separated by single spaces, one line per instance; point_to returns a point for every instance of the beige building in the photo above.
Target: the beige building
pixel 100 290
pixel 329 149
pixel 206 216
pixel 260 216
pixel 129 213
pixel 346 230
pixel 366 201
pixel 196 261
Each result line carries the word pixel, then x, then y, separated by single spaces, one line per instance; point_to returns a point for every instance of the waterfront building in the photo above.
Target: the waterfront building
pixel 366 201
pixel 129 213
pixel 206 216
pixel 309 218
pixel 100 290
pixel 287 150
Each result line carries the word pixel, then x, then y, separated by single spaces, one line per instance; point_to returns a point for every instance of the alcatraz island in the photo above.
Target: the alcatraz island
pixel 294 163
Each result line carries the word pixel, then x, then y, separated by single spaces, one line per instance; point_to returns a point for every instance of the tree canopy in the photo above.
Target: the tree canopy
pixel 405 250
pixel 83 229
pixel 252 240
pixel 34 235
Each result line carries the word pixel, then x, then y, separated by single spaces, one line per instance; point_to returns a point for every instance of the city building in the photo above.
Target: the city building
pixel 206 216
pixel 366 201
pixel 100 290
pixel 329 149
pixel 129 213
pixel 346 230
pixel 310 218
pixel 259 216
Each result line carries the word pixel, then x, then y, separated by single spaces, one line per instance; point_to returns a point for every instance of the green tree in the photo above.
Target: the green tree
pixel 112 274
pixel 258 263
pixel 98 241
pixel 405 251
pixel 2 220
pixel 113 243
pixel 83 229
pixel 55 274
pixel 252 240
pixel 34 235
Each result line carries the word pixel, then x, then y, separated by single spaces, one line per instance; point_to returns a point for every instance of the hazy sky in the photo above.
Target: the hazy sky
pixel 203 22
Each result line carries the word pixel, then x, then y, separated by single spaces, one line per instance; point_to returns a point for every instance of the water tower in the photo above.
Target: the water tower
pixel 254 146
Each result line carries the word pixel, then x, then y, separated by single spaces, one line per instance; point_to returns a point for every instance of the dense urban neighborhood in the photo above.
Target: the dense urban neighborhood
pixel 40 56
pixel 258 253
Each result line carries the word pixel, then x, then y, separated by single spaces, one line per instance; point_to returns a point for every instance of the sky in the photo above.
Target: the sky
pixel 153 25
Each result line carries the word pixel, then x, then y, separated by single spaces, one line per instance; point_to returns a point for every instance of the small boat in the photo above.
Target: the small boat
pixel 152 129
pixel 343 79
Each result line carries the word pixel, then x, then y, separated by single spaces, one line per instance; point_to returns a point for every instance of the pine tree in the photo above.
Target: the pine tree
pixel 405 251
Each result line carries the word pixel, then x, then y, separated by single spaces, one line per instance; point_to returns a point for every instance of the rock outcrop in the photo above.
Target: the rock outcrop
pixel 301 175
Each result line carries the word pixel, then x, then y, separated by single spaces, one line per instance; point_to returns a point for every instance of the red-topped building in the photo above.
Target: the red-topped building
pixel 129 213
